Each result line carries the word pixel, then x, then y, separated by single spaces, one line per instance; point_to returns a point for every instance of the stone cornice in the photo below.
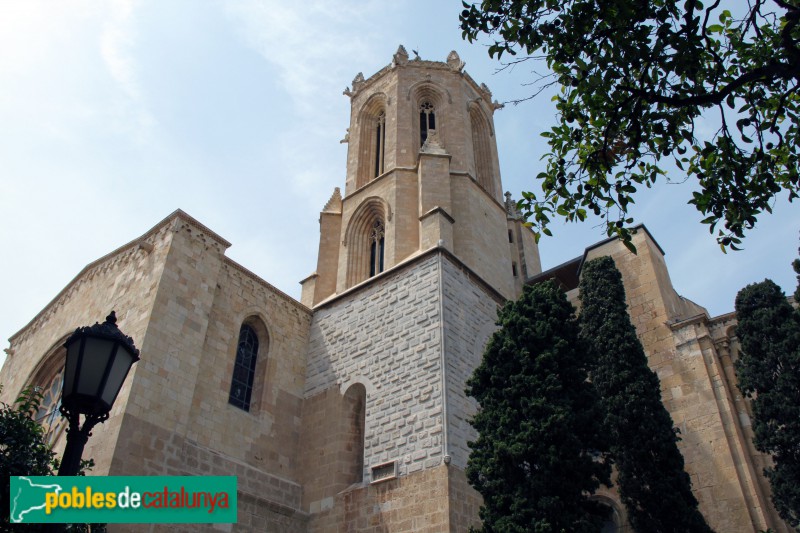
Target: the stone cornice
pixel 267 285
pixel 407 263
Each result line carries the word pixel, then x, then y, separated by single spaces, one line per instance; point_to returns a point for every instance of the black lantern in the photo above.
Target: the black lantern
pixel 98 360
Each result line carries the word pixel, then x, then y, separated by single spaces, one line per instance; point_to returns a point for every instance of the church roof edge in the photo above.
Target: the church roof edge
pixel 141 241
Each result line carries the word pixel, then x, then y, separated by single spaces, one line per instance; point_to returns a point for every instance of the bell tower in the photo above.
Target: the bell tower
pixel 422 172
pixel 414 259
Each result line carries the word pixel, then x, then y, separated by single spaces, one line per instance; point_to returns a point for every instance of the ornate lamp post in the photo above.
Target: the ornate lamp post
pixel 98 360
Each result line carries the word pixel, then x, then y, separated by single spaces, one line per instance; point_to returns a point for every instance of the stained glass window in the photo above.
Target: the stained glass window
pixel 48 415
pixel 244 369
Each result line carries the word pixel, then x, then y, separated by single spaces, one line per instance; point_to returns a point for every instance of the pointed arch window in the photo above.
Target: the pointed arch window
pixel 380 141
pixel 244 369
pixel 49 414
pixel 482 150
pixel 427 120
pixel 376 244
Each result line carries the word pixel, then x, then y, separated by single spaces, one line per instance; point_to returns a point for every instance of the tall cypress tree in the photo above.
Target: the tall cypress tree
pixel 536 457
pixel 769 373
pixel 652 482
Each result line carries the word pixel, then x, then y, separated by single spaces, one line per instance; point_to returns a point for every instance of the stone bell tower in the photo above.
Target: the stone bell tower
pixel 422 172
pixel 414 260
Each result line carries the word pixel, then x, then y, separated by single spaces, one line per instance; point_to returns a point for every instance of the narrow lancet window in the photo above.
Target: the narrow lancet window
pixel 427 120
pixel 380 140
pixel 244 369
pixel 376 240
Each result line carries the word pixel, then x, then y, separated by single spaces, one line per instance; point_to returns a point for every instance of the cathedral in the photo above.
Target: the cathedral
pixel 346 411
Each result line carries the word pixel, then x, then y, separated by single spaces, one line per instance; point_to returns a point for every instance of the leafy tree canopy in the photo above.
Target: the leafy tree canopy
pixel 635 77
pixel 539 434
pixel 652 481
pixel 769 372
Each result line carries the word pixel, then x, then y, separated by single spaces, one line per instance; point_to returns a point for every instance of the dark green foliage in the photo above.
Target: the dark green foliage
pixel 769 373
pixel 537 454
pixel 636 76
pixel 796 266
pixel 22 447
pixel 24 452
pixel 652 482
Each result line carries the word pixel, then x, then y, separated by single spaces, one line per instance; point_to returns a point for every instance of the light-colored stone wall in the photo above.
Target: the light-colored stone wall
pixel 465 502
pixel 183 302
pixel 468 220
pixel 416 503
pixel 397 190
pixel 177 418
pixel 266 502
pixel 481 234
pixel 125 280
pixel 267 435
pixel 386 336
pixel 470 316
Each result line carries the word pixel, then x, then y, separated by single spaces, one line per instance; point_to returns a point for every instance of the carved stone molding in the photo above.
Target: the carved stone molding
pixel 454 62
pixel 334 204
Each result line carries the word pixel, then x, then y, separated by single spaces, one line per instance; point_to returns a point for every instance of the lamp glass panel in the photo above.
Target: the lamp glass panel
pixel 73 351
pixel 95 358
pixel 122 363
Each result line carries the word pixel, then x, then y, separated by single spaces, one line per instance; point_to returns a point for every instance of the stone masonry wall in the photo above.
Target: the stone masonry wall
pixel 125 280
pixel 266 502
pixel 417 503
pixel 470 313
pixel 266 436
pixel 178 420
pixel 387 337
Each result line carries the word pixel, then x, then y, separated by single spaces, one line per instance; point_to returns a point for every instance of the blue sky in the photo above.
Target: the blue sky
pixel 115 113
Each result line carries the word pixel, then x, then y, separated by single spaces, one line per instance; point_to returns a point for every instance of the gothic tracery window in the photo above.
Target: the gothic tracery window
pixel 244 368
pixel 427 120
pixel 376 240
pixel 48 415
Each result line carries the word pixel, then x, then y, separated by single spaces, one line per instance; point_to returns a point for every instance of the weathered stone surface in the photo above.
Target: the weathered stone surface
pixel 369 374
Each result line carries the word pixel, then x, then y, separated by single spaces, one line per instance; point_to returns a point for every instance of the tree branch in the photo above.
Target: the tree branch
pixel 774 70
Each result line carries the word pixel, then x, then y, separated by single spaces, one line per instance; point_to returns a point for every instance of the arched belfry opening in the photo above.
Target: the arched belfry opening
pixel 421 140
pixel 482 149
pixel 366 241
pixel 372 140
pixel 429 106
pixel 427 120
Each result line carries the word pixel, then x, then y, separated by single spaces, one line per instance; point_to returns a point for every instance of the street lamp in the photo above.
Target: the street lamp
pixel 98 360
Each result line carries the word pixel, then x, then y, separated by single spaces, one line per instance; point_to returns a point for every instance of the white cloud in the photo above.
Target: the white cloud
pixel 311 44
pixel 117 48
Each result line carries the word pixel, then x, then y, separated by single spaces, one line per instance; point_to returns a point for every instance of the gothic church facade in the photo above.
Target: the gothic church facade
pixel 346 411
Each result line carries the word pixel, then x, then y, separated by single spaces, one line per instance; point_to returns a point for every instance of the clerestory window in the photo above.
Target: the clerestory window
pixel 244 369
